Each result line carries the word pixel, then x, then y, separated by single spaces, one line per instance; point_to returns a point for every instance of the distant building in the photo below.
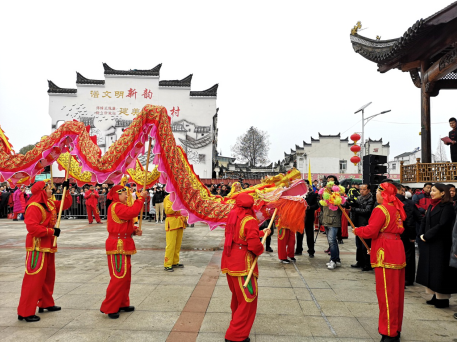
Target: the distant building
pixel 329 154
pixel 407 158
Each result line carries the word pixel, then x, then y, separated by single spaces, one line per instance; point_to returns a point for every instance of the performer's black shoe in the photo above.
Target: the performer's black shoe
pixel 367 268
pixel 15 220
pixel 285 261
pixel 169 269
pixel 409 283
pixel 50 308
pixel 90 222
pixel 386 338
pixel 441 303
pixel 340 242
pixel 114 315
pixel 245 340
pixel 432 301
pixel 356 265
pixel 127 308
pixel 455 315
pixel 99 222
pixel 32 318
pixel 311 255
pixel 298 253
pixel 269 249
pixel 178 266
pixel 293 259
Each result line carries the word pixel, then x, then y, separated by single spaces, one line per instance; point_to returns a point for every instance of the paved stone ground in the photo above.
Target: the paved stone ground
pixel 302 302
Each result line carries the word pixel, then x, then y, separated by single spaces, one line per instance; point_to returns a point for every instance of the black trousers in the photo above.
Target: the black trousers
pixel 268 241
pixel 410 270
pixel 454 157
pixel 309 231
pixel 361 256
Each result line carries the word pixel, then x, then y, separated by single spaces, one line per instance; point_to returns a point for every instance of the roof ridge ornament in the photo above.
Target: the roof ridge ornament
pixel 357 27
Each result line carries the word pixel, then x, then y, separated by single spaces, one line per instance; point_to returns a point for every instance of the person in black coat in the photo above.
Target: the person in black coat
pixel 435 233
pixel 313 204
pixel 268 241
pixel 408 237
pixel 361 209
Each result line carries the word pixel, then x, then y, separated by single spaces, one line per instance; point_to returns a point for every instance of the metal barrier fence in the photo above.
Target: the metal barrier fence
pixel 78 207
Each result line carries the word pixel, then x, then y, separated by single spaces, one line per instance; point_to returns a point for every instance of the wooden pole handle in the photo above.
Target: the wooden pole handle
pixel 63 199
pixel 264 239
pixel 353 227
pixel 145 181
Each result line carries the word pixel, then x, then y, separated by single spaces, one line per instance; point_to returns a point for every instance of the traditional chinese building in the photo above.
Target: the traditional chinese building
pixel 329 154
pixel 108 106
pixel 427 51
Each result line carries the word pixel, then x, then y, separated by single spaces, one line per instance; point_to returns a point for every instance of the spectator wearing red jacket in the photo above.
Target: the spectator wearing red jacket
pixel 91 197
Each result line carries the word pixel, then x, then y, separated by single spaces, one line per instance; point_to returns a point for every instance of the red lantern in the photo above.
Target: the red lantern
pixel 355 149
pixel 355 137
pixel 355 160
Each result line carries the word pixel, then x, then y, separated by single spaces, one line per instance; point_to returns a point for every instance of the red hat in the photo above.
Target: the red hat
pixel 389 194
pixel 114 192
pixel 39 194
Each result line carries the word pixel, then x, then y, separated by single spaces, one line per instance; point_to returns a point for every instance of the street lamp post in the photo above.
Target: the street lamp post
pixel 364 122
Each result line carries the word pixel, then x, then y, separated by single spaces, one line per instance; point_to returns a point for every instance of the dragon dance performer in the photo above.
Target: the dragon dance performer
pixel 119 249
pixel 242 245
pixel 286 244
pixel 388 259
pixel 39 278
pixel 91 196
pixel 175 223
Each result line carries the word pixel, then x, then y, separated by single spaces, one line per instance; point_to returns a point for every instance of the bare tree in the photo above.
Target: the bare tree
pixel 441 155
pixel 252 146
pixel 25 149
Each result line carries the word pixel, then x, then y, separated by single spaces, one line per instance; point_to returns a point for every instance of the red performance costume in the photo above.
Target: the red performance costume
pixel 39 278
pixel 242 245
pixel 119 249
pixel 286 242
pixel 388 259
pixel 91 197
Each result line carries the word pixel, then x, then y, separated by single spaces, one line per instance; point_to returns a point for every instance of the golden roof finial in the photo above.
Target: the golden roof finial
pixel 378 37
pixel 358 26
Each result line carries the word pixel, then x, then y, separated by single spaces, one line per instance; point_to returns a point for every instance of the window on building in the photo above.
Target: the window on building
pixel 394 166
pixel 343 165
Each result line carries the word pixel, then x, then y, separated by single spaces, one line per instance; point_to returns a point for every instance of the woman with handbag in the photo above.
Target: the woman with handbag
pixel 435 234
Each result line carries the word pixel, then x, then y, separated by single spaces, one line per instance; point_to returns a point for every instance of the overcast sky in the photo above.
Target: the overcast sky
pixel 287 67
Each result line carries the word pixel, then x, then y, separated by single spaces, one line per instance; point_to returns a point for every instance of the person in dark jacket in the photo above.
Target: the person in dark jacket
pixel 313 204
pixel 361 209
pixel 453 262
pixel 268 241
pixel 408 237
pixel 453 137
pixel 453 197
pixel 433 270
pixel 158 201
pixel 422 201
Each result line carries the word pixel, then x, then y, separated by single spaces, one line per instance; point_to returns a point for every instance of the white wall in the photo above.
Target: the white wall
pixel 199 111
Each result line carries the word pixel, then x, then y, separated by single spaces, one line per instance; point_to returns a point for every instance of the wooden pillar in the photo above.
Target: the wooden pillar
pixel 401 171
pixel 418 160
pixel 426 142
